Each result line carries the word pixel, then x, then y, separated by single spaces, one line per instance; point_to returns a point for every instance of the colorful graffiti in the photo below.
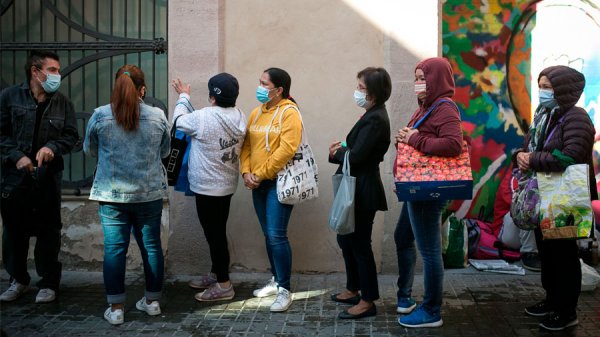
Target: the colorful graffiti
pixel 489 44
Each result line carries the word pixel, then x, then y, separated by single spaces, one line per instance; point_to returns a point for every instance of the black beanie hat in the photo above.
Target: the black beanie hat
pixel 224 88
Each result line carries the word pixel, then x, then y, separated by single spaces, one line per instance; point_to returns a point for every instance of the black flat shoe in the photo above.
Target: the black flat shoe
pixel 352 300
pixel 372 311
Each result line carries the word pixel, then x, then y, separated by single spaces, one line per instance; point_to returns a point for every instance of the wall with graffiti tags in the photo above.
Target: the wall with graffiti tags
pixel 497 48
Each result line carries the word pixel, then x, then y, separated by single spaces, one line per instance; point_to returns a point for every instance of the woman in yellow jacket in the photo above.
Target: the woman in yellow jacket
pixel 273 135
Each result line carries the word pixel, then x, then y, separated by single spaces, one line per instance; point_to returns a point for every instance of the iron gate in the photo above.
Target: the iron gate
pixel 93 38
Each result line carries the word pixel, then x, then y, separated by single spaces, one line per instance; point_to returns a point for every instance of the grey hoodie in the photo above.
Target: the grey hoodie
pixel 217 137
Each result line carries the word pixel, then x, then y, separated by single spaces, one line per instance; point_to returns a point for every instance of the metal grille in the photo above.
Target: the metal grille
pixel 93 38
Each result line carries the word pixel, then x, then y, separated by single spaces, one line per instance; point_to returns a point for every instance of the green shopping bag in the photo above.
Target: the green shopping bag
pixel 566 208
pixel 455 243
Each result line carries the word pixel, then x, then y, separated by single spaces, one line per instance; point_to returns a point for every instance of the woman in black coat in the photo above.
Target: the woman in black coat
pixel 367 142
pixel 561 134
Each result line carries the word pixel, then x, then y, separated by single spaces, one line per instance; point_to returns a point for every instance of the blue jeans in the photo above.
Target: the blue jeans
pixel 274 217
pixel 420 221
pixel 119 220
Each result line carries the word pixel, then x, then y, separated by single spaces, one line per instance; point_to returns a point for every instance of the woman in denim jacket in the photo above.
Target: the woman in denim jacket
pixel 129 138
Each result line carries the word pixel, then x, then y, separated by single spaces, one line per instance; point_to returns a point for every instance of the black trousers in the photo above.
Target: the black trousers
pixel 33 214
pixel 561 273
pixel 361 272
pixel 213 213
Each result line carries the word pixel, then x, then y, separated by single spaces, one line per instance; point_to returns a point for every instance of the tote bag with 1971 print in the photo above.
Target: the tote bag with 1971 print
pixel 298 180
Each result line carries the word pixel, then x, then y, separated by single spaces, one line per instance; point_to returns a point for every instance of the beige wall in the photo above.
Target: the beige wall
pixel 322 44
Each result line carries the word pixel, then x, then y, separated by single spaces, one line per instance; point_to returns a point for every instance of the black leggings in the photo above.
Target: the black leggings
pixel 361 271
pixel 213 213
pixel 561 273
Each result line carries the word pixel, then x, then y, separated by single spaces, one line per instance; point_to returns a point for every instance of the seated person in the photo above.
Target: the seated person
pixel 505 229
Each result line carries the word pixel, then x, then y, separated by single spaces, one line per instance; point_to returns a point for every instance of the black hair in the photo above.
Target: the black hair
pixel 37 58
pixel 378 83
pixel 280 78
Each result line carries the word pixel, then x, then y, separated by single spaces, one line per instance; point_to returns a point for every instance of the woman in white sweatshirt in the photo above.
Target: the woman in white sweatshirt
pixel 217 133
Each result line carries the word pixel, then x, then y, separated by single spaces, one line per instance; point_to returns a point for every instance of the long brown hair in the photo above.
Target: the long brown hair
pixel 125 98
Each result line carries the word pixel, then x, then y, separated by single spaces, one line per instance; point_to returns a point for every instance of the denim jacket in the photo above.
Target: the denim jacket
pixel 129 166
pixel 58 127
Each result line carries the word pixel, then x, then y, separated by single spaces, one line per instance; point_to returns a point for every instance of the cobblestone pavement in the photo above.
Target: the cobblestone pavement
pixel 475 304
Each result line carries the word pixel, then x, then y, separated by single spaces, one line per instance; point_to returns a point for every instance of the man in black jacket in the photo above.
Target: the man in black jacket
pixel 37 128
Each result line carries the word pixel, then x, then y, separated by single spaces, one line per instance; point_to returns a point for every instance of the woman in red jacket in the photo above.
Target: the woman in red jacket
pixel 439 134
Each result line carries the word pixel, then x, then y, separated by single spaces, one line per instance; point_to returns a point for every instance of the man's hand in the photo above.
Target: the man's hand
pixel 25 163
pixel 44 155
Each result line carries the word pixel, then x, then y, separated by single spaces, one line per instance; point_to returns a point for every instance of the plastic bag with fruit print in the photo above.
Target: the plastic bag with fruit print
pixel 565 208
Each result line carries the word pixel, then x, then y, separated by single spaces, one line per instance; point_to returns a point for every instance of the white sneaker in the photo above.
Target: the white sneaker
pixel 45 295
pixel 283 301
pixel 267 290
pixel 151 309
pixel 13 292
pixel 114 317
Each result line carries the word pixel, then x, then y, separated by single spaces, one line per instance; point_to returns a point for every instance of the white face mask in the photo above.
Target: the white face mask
pixel 361 99
pixel 420 87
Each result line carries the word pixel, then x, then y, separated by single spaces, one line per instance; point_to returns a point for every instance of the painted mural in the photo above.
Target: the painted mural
pixel 496 50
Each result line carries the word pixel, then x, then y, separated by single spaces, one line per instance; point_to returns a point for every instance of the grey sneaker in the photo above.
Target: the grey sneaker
pixel 151 309
pixel 204 281
pixel 45 295
pixel 114 317
pixel 283 301
pixel 13 292
pixel 267 290
pixel 215 293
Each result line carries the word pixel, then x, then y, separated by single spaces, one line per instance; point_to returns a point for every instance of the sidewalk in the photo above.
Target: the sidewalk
pixel 475 304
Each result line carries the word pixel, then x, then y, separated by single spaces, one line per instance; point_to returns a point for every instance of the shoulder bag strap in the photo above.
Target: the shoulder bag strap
pixel 554 129
pixel 174 127
pixel 267 146
pixel 416 125
pixel 304 137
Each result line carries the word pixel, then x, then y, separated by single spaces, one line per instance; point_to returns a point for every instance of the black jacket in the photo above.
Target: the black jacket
pixel 57 130
pixel 573 129
pixel 368 141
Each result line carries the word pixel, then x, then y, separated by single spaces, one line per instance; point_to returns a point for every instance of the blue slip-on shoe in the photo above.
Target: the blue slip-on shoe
pixel 406 305
pixel 420 318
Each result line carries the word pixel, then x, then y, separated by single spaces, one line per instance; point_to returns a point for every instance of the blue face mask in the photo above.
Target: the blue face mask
pixel 52 83
pixel 547 98
pixel 361 99
pixel 262 94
